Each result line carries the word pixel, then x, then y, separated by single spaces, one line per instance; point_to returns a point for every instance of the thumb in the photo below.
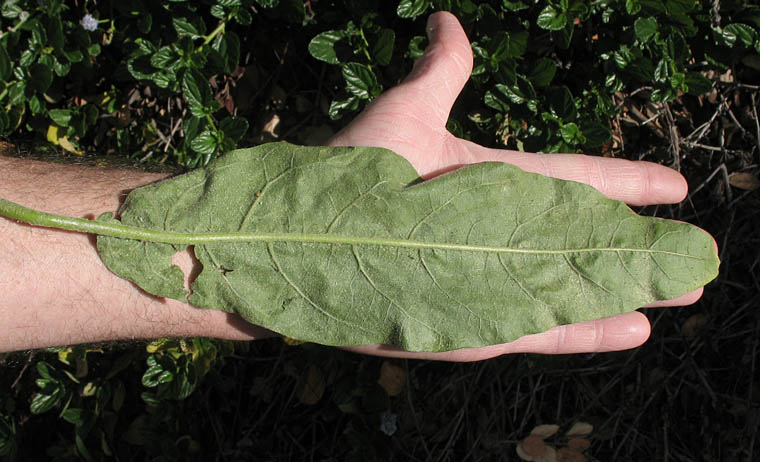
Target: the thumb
pixel 439 76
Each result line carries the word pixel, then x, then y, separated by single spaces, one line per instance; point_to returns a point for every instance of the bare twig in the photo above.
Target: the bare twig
pixel 757 123
pixel 675 145
pixel 23 369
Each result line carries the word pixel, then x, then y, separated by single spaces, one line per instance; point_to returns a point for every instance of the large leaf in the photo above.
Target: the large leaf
pixel 347 246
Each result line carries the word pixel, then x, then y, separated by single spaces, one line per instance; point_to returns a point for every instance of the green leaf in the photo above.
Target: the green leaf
pixel 340 106
pixel 74 416
pixel 551 19
pixel 382 49
pixel 741 32
pixel 5 64
pixel 17 93
pixel 228 46
pixel 645 28
pixel 412 8
pixel 205 143
pixel 561 103
pixel 594 134
pixel 571 134
pixel 495 100
pixel 164 58
pixel 197 93
pixel 361 81
pixel 416 49
pixel 347 246
pixel 42 77
pixel 543 72
pixel 697 83
pixel 322 46
pixel 94 49
pixel 61 116
pixel 185 28
pixel 43 402
pixel 234 128
pixel 511 45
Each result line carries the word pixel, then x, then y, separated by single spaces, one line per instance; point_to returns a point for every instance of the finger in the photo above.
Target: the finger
pixel 410 119
pixel 636 183
pixel 439 76
pixel 684 300
pixel 615 333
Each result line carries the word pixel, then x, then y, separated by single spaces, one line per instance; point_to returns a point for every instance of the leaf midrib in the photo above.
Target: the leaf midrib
pixel 123 231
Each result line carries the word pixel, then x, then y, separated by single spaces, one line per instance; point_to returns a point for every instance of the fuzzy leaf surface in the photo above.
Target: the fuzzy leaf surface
pixel 347 246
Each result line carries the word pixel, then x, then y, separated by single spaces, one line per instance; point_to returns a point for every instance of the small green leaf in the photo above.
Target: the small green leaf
pixel 93 50
pixel 228 46
pixel 164 58
pixel 5 64
pixel 322 46
pixel 382 49
pixel 571 134
pixel 361 81
pixel 74 56
pixel 197 93
pixel 61 116
pixel 17 93
pixel 543 72
pixel 697 83
pixel 244 17
pixel 205 143
pixel 662 71
pixel 494 99
pixel 74 416
pixel 551 19
pixel 561 103
pixel 410 9
pixel 234 128
pixel 185 28
pixel 340 106
pixel 416 49
pixel 595 134
pixel 740 32
pixel 645 28
pixel 43 402
pixel 42 77
pixel 511 45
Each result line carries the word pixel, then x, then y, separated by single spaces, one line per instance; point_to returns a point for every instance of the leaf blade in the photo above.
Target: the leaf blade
pixel 359 252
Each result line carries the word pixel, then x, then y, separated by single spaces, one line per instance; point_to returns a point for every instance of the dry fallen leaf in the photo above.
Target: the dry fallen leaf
pixel 692 324
pixel 580 429
pixel 545 431
pixel 580 444
pixel 744 180
pixel 536 445
pixel 392 378
pixel 312 387
pixel 570 455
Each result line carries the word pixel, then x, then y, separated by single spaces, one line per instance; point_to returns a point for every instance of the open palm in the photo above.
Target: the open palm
pixel 410 119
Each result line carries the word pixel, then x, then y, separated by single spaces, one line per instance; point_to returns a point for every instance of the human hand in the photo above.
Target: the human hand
pixel 410 120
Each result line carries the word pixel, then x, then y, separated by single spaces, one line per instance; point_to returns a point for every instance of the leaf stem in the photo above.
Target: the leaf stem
pixel 214 33
pixel 14 211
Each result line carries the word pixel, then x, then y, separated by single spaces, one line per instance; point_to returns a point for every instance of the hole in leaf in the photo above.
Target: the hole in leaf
pixel 189 264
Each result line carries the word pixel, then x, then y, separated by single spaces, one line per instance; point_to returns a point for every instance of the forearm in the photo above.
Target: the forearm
pixel 54 290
